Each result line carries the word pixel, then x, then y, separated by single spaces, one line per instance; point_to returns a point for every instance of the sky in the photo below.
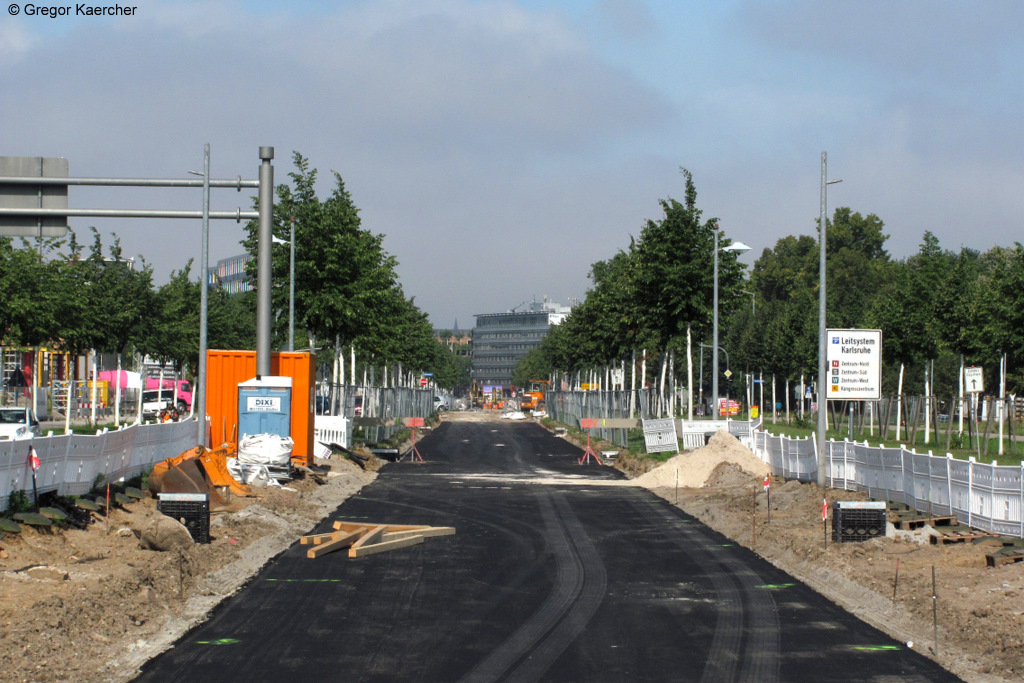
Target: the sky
pixel 504 146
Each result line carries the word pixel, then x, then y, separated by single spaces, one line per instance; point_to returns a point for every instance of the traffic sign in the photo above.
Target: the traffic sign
pixel 423 381
pixel 974 380
pixel 854 360
pixel 728 374
pixel 42 196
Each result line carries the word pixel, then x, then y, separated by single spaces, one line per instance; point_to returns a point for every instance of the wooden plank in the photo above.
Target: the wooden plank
pixel 343 541
pixel 370 536
pixel 433 531
pixel 374 421
pixel 426 532
pixel 609 423
pixel 399 535
pixel 311 539
pixel 373 548
pixel 393 527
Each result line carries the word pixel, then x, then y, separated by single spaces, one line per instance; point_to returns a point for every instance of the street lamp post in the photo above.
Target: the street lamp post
pixel 739 248
pixel 822 334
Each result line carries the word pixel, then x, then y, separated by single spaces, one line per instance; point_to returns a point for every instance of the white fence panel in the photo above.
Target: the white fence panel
pixel 984 496
pixel 332 429
pixel 70 464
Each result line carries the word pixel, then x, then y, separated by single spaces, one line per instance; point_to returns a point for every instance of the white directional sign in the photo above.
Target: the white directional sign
pixel 854 365
pixel 974 380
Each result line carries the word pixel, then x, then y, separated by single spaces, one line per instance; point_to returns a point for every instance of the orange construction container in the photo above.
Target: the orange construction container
pixel 225 370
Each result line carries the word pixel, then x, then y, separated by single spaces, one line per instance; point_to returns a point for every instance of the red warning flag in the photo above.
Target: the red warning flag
pixel 766 482
pixel 824 509
pixel 33 459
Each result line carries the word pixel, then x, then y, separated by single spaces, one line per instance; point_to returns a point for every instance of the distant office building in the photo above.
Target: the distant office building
pixel 500 340
pixel 229 274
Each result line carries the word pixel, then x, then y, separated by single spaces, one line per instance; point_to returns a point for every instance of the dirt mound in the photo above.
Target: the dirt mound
pixel 693 469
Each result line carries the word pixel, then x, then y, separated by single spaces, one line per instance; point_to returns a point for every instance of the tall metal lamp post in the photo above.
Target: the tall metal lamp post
pixel 739 248
pixel 822 333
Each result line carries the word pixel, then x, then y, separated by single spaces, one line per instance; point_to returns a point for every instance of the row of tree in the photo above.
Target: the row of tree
pixel 934 308
pixel 347 294
pixel 57 294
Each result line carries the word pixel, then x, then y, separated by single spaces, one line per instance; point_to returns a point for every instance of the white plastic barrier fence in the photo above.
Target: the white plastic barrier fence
pixel 69 464
pixel 331 429
pixel 983 496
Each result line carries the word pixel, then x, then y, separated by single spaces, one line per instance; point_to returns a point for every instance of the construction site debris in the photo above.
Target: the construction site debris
pixel 369 538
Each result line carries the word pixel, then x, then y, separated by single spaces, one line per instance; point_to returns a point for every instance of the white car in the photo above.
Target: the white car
pixel 17 424
pixel 152 406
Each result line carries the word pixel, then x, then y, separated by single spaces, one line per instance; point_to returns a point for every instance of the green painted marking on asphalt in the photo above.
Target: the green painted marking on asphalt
pixel 304 580
pixel 776 586
pixel 219 641
pixel 875 648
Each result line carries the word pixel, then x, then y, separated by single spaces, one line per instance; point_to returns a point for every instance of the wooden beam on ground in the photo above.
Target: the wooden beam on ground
pixel 370 536
pixel 316 539
pixel 426 532
pixel 344 540
pixel 370 549
pixel 447 530
pixel 374 421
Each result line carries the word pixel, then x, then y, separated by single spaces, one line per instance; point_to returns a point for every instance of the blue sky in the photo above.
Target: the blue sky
pixel 503 147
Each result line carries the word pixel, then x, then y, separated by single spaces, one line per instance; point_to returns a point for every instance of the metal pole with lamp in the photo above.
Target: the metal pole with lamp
pixel 739 248
pixel 822 330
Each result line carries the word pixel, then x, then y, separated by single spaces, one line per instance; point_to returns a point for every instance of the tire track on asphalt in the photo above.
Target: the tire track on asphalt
pixel 744 608
pixel 579 589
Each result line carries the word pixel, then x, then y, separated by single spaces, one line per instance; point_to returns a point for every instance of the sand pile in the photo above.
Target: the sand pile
pixel 696 467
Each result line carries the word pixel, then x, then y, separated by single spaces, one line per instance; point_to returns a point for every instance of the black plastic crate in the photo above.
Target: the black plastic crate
pixel 191 509
pixel 857 521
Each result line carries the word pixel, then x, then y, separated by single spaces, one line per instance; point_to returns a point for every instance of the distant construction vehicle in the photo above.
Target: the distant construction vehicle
pixel 533 398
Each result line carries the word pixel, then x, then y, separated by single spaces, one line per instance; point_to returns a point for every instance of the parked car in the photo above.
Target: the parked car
pixel 17 424
pixel 152 406
pixel 442 403
pixel 322 405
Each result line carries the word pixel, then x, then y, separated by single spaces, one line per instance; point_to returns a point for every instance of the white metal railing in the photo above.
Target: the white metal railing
pixel 980 495
pixel 70 463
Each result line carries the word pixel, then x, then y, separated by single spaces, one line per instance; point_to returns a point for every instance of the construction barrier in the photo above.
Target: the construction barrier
pixel 71 463
pixel 983 496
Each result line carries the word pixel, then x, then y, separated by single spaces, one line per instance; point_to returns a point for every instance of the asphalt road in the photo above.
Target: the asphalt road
pixel 558 572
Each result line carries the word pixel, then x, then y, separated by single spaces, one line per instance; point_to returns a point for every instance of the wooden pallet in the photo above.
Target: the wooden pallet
pixel 958 535
pixel 912 522
pixel 1005 556
pixel 368 538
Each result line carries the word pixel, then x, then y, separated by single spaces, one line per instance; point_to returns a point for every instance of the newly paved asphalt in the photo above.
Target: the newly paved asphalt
pixel 555 574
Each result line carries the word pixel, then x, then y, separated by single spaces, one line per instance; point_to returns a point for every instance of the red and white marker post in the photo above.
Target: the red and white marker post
pixel 33 461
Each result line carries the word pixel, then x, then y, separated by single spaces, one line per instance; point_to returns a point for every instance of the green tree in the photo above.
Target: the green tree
pixel 674 272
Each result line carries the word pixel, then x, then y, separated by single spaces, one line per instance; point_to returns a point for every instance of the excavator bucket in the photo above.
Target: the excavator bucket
pixel 215 464
pixel 196 471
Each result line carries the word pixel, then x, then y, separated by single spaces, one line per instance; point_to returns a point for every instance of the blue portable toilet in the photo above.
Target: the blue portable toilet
pixel 265 406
